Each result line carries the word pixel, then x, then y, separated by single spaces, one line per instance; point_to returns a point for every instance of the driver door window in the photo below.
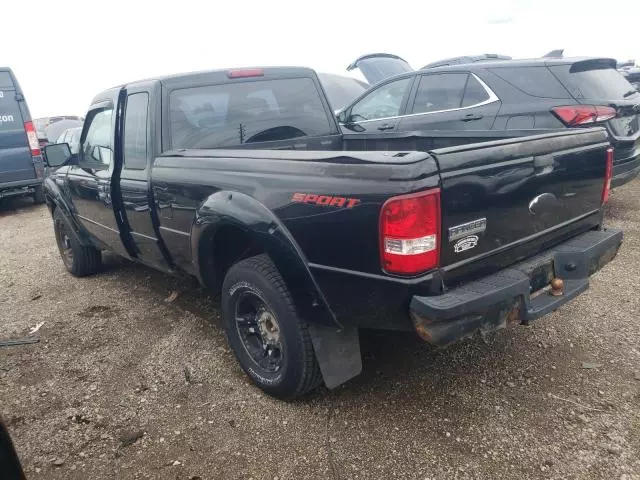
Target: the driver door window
pixel 384 102
pixel 97 148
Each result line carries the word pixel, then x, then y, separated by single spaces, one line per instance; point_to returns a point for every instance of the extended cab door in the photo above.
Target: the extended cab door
pixel 379 110
pixel 89 181
pixel 135 194
pixel 450 101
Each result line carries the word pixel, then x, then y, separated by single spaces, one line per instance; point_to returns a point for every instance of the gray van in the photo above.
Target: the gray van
pixel 21 166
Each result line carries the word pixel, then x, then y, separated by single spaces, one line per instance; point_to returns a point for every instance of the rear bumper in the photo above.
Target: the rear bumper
pixel 495 301
pixel 22 187
pixel 625 172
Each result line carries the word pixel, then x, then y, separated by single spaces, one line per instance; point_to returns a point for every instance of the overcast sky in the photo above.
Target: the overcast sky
pixel 65 51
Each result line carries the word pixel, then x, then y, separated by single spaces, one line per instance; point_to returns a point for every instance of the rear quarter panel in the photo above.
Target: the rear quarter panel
pixel 331 208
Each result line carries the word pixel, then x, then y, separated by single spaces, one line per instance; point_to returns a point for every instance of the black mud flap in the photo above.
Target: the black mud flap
pixel 338 353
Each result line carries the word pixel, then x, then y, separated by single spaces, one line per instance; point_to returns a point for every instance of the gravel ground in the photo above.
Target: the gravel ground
pixel 126 385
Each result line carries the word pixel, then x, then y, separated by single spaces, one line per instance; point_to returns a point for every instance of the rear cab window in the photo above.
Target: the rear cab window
pixel 244 112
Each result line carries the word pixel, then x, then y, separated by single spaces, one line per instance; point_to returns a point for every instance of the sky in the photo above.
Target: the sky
pixel 64 52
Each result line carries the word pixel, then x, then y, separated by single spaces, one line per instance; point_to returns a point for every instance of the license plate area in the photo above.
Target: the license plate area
pixel 540 276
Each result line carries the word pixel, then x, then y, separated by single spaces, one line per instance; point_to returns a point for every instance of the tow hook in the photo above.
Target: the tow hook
pixel 557 287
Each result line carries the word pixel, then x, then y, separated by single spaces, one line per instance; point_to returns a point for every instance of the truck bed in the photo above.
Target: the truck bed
pixel 495 180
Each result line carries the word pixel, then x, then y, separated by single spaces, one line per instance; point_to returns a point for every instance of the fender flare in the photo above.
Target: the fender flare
pixel 55 199
pixel 227 208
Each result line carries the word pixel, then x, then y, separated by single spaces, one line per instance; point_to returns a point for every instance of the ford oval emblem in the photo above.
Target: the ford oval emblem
pixel 542 203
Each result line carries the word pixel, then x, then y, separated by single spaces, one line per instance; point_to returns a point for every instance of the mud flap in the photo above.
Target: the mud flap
pixel 338 353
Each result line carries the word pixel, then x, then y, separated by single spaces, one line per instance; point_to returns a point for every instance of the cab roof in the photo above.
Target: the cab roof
pixel 208 76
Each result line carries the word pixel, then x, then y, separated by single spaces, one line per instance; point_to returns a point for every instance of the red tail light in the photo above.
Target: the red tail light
pixel 608 176
pixel 251 72
pixel 409 233
pixel 576 115
pixel 34 145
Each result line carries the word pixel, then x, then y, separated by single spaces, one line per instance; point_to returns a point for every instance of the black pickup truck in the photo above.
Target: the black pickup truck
pixel 242 179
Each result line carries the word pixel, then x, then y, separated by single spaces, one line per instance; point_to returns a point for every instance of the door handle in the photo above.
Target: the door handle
pixel 387 126
pixel 471 116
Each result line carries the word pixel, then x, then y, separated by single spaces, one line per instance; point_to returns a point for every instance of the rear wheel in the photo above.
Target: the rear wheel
pixel 270 341
pixel 38 195
pixel 79 260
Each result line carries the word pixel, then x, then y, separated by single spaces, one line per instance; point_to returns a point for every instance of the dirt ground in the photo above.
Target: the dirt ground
pixel 126 385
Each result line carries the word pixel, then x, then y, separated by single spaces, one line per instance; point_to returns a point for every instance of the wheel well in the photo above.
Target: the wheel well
pixel 221 249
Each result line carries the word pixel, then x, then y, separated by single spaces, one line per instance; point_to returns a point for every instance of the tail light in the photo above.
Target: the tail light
pixel 577 115
pixel 409 233
pixel 608 176
pixel 34 145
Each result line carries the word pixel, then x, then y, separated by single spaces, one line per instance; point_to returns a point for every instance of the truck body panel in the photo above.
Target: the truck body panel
pixel 158 191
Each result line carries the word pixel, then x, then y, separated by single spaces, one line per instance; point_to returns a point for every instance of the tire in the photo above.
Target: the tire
pixel 38 195
pixel 290 369
pixel 79 260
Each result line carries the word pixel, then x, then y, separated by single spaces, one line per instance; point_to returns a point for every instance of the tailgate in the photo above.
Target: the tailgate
pixel 506 200
pixel 16 163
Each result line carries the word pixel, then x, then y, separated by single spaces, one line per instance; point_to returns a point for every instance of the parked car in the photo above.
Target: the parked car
pixel 242 179
pixel 632 74
pixel 341 90
pixel 21 167
pixel 48 135
pixel 376 67
pixel 542 94
pixel 71 136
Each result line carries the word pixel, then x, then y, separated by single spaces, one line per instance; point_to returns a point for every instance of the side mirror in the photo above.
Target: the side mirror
pixel 342 116
pixel 57 155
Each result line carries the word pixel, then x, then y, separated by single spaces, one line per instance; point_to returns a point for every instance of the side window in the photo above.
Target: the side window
pixel 135 131
pixel 475 93
pixel 534 81
pixel 97 148
pixel 438 92
pixel 383 102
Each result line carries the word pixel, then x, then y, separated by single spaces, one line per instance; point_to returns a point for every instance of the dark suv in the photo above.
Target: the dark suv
pixel 545 94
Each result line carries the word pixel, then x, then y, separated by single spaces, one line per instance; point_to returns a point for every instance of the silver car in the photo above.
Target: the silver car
pixel 72 137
